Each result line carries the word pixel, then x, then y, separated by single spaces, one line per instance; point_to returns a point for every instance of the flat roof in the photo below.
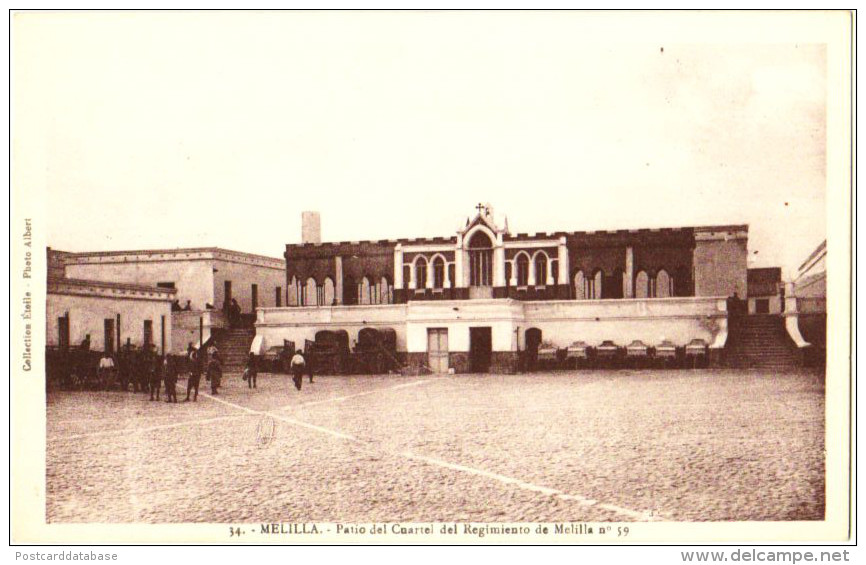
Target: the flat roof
pixel 179 250
pixel 537 235
pixel 167 292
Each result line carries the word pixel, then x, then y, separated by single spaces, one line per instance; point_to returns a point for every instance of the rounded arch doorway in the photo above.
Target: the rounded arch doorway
pixel 480 248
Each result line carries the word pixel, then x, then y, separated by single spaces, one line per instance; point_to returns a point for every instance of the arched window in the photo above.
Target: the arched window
pixel 421 273
pixel 540 269
pixel 292 293
pixel 350 291
pixel 593 286
pixel 364 291
pixel 522 269
pixel 480 260
pixel 438 272
pixel 385 291
pixel 664 285
pixel 311 291
pixel 641 285
pixel 328 292
pixel 615 285
pixel 681 282
pixel 579 286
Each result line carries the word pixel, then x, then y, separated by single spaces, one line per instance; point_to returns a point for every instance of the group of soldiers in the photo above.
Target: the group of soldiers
pixel 148 372
pixel 145 371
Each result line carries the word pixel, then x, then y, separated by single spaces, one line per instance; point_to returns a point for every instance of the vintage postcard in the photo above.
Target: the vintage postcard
pixel 443 277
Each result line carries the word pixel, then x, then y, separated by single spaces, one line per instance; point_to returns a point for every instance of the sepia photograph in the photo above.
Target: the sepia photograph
pixel 443 277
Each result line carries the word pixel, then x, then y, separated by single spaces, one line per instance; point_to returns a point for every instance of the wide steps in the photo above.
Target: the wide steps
pixel 234 346
pixel 760 342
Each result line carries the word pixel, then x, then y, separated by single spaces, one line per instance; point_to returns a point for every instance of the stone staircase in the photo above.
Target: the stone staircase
pixel 234 347
pixel 759 341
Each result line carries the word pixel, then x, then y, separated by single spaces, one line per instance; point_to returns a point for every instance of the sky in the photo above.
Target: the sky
pixel 162 130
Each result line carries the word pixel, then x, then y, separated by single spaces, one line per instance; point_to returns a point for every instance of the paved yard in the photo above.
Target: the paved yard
pixel 582 446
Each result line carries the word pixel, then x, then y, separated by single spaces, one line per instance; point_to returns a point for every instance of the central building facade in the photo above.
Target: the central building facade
pixel 474 301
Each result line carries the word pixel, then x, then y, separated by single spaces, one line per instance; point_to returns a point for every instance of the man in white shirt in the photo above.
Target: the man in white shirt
pixel 298 363
pixel 106 370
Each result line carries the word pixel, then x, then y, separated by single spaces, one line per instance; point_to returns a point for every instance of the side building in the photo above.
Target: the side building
pixel 104 316
pixel 810 296
pixel 202 283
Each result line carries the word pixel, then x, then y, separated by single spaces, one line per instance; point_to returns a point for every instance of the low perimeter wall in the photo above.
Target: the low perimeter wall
pixel 652 321
pixel 561 322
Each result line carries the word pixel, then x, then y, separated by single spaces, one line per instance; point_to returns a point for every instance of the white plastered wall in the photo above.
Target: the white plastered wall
pixel 87 315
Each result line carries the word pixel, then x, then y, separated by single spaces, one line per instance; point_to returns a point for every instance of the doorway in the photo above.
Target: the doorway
pixel 480 349
pixel 63 332
pixel 533 342
pixel 147 338
pixel 762 306
pixel 437 349
pixel 108 336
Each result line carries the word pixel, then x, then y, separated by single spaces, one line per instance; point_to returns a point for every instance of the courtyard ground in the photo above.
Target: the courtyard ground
pixel 569 446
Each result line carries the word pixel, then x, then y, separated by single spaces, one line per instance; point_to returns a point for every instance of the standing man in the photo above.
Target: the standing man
pixel 298 364
pixel 155 376
pixel 194 374
pixel 170 377
pixel 251 371
pixel 213 353
pixel 106 371
pixel 308 368
pixel 214 373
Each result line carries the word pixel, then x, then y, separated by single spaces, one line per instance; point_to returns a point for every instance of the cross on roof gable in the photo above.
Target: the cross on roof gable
pixel 483 217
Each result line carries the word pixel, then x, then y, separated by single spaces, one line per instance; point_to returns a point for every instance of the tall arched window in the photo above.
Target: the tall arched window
pixel 350 291
pixel 615 287
pixel 421 273
pixel 522 269
pixel 328 292
pixel 593 286
pixel 641 285
pixel 540 269
pixel 438 272
pixel 385 291
pixel 579 286
pixel 364 291
pixel 292 293
pixel 664 285
pixel 480 260
pixel 311 292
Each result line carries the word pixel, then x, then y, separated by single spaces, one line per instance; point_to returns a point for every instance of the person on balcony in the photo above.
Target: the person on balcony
pixel 234 313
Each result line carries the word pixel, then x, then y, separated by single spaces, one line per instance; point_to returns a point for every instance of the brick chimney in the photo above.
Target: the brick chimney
pixel 311 230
